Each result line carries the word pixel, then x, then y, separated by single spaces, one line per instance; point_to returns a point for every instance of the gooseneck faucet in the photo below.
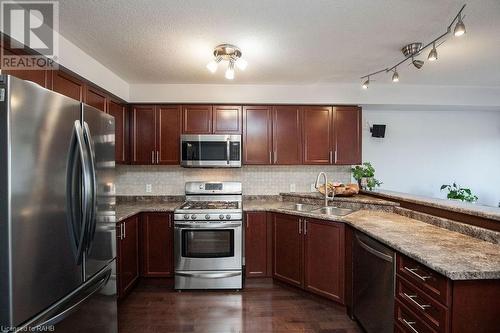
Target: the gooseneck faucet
pixel 327 198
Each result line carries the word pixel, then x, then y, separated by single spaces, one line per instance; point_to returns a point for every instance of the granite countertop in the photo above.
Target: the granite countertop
pixel 358 198
pixel 457 256
pixel 127 209
pixel 488 212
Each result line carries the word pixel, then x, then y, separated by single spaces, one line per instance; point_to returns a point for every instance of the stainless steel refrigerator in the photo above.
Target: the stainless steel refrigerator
pixel 57 212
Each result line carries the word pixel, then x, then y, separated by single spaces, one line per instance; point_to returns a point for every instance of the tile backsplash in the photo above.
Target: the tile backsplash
pixel 169 180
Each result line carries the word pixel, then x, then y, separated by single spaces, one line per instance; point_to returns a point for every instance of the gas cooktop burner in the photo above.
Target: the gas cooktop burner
pixel 210 205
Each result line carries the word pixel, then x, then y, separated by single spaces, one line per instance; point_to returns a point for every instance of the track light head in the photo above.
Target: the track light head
pixel 395 76
pixel 433 55
pixel 459 27
pixel 417 63
pixel 366 83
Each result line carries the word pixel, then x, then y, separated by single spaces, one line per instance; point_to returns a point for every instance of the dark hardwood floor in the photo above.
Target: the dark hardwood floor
pixel 263 306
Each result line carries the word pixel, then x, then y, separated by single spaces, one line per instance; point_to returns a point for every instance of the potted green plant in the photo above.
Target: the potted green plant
pixel 455 192
pixel 364 175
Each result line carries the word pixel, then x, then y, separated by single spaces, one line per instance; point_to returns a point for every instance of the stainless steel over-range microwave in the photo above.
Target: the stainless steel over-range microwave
pixel 211 151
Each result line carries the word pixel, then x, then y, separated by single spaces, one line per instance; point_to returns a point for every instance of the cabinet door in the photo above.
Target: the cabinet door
pixel 197 119
pixel 287 135
pixel 96 98
pixel 256 244
pixel 67 85
pixel 226 119
pixel 168 119
pixel 324 258
pixel 143 136
pixel 120 112
pixel 317 129
pixel 158 245
pixel 129 254
pixel 257 135
pixel 347 135
pixel 287 249
pixel 40 77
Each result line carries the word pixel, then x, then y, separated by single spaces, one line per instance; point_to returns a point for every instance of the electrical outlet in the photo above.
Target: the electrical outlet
pixel 312 188
pixel 149 188
pixel 292 187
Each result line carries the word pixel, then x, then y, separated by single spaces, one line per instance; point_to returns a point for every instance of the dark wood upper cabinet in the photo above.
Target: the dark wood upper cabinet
pixel 257 135
pixel 120 112
pixel 67 85
pixel 168 119
pixel 128 254
pixel 347 135
pixel 96 98
pixel 317 129
pixel 197 119
pixel 287 135
pixel 143 134
pixel 287 249
pixel 256 245
pixel 157 245
pixel 226 119
pixel 324 254
pixel 41 77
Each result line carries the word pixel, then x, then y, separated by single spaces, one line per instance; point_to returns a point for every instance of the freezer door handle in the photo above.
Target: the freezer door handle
pixel 68 304
pixel 93 188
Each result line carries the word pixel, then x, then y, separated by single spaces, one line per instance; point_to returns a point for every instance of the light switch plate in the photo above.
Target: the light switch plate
pixel 292 187
pixel 149 188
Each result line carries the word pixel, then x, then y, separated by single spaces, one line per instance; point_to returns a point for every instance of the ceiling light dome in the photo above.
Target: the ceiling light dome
pixel 460 27
pixel 231 54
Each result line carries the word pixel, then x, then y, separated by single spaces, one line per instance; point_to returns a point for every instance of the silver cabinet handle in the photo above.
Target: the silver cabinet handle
pixel 170 223
pixel 335 156
pixel 330 156
pixel 275 157
pixel 300 226
pixel 270 157
pixel 305 226
pixel 246 222
pixel 124 230
pixel 152 157
pixel 157 157
pixel 412 298
pixel 410 325
pixel 413 271
pixel 121 231
pixel 228 152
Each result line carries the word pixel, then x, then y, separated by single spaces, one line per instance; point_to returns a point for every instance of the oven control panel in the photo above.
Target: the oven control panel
pixel 212 217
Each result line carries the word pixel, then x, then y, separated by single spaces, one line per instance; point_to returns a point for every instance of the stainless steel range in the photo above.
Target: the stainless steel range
pixel 208 237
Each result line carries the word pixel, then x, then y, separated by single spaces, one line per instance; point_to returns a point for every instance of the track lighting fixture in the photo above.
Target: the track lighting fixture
pixel 433 55
pixel 229 53
pixel 460 27
pixel 412 50
pixel 395 76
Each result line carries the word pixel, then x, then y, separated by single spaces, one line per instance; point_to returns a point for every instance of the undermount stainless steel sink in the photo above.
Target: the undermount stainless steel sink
pixel 333 211
pixel 298 207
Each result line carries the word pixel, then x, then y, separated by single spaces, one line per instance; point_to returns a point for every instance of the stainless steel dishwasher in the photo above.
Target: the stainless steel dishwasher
pixel 373 284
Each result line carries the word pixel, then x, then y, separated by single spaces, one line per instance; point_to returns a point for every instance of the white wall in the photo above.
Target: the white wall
pixel 424 149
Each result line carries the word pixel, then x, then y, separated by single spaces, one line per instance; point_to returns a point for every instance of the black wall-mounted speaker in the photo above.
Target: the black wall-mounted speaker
pixel 378 131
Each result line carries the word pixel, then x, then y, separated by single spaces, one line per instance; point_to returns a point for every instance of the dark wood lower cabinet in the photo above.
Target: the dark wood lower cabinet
pixel 309 253
pixel 324 254
pixel 256 245
pixel 157 245
pixel 287 249
pixel 128 254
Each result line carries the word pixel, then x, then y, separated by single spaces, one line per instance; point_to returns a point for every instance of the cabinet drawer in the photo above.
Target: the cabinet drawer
pixel 430 310
pixel 433 284
pixel 409 321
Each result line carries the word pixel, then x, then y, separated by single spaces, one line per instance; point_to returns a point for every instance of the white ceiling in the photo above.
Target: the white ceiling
pixel 284 41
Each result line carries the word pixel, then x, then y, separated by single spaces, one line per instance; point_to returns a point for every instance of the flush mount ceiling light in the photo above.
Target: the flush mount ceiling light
pixel 412 50
pixel 229 53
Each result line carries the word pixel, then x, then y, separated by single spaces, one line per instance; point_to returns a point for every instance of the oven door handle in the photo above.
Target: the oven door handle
pixel 209 275
pixel 204 226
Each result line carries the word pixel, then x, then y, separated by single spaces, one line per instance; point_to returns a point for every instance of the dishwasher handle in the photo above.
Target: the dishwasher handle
pixel 373 251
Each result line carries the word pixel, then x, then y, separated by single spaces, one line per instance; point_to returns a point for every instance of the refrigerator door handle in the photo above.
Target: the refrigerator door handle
pixel 68 304
pixel 93 176
pixel 86 189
